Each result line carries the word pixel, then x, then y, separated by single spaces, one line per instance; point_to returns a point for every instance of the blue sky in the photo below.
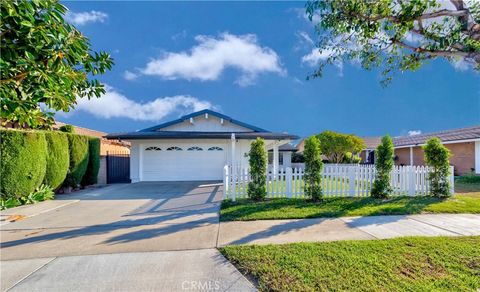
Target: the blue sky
pixel 249 60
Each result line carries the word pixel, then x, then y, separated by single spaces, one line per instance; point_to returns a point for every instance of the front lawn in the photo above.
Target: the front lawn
pixel 401 264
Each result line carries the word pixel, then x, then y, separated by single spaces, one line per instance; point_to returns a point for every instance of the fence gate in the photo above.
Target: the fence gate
pixel 118 167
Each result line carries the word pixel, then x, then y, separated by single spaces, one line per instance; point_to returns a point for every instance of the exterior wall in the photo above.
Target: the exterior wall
pixel 212 124
pixel 106 146
pixel 463 156
pixel 102 172
pixel 477 157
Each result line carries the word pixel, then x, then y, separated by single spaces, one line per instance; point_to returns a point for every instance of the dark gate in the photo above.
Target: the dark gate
pixel 118 167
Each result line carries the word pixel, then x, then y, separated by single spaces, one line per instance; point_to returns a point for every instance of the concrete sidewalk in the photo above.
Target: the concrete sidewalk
pixel 346 228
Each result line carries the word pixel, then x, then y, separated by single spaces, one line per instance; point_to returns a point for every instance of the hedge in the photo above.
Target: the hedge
pixel 23 162
pixel 90 177
pixel 78 149
pixel 58 159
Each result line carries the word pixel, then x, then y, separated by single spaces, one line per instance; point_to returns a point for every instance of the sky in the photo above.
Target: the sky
pixel 250 60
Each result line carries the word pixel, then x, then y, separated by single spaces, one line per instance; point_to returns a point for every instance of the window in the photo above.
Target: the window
pixel 215 148
pixel 174 148
pixel 194 148
pixel 152 148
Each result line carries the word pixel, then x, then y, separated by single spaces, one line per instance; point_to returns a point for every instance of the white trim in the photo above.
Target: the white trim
pixel 411 155
pixel 477 157
pixel 446 142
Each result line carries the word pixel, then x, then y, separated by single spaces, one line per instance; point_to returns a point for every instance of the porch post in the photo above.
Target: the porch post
pixel 411 156
pixel 232 159
pixel 275 158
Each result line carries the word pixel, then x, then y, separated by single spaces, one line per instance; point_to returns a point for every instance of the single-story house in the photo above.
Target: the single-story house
pixel 371 143
pixel 195 147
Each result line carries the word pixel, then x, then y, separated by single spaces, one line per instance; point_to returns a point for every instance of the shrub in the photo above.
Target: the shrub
pixel 78 150
pixel 384 164
pixel 335 145
pixel 257 187
pixel 470 178
pixel 437 157
pixel 313 168
pixel 58 159
pixel 67 129
pixel 90 177
pixel 42 193
pixel 23 162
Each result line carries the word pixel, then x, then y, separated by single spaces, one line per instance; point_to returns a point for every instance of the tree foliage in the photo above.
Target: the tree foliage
pixel 396 34
pixel 44 61
pixel 335 145
pixel 437 157
pixel 313 168
pixel 383 164
pixel 258 159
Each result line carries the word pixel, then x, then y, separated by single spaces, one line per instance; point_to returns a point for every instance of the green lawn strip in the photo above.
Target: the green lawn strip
pixel 401 264
pixel 245 210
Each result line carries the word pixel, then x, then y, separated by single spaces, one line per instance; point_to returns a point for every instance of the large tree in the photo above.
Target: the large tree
pixel 45 64
pixel 396 34
pixel 335 145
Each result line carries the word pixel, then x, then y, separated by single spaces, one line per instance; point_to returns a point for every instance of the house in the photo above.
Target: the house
pixel 195 147
pixel 464 145
pixel 368 154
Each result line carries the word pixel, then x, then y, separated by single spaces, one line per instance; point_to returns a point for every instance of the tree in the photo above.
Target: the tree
pixel 396 34
pixel 257 159
pixel 437 157
pixel 45 64
pixel 335 145
pixel 313 168
pixel 383 164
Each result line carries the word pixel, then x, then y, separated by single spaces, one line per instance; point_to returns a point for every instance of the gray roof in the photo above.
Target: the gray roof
pixel 286 148
pixel 468 133
pixel 200 135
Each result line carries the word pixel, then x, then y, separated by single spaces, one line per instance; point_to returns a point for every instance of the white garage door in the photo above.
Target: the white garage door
pixel 182 163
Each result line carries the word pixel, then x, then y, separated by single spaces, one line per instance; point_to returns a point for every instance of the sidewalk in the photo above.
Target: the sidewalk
pixel 346 228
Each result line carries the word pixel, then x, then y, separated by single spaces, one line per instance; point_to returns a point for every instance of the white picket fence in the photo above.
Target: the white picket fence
pixel 338 180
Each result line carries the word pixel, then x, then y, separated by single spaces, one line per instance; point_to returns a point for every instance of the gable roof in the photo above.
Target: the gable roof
pixel 371 142
pixel 200 113
pixel 468 133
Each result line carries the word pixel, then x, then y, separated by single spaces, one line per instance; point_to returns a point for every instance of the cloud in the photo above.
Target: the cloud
pixel 211 56
pixel 82 18
pixel 129 75
pixel 414 132
pixel 116 105
pixel 316 56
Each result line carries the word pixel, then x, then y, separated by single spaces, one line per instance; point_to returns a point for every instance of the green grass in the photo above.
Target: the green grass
pixel 401 264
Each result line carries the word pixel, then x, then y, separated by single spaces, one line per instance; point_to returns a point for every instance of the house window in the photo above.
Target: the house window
pixel 215 148
pixel 194 148
pixel 174 148
pixel 152 148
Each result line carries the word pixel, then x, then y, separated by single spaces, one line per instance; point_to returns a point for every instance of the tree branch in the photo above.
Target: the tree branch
pixel 430 52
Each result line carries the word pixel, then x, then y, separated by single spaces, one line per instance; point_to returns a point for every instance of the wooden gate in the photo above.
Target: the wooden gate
pixel 118 167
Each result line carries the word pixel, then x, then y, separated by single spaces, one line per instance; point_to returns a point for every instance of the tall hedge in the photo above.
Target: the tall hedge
pixel 257 160
pixel 78 150
pixel 90 177
pixel 313 168
pixel 437 157
pixel 23 162
pixel 58 159
pixel 384 164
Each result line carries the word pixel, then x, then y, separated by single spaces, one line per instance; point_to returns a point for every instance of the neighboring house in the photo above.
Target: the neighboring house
pixel 464 144
pixel 285 157
pixel 368 155
pixel 195 147
pixel 301 146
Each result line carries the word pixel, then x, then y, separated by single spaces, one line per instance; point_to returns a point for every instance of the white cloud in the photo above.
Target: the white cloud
pixel 461 65
pixel 414 132
pixel 316 56
pixel 82 18
pixel 116 105
pixel 211 56
pixel 130 75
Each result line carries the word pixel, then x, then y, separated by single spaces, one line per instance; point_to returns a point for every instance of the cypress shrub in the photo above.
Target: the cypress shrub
pixel 90 177
pixel 257 187
pixel 437 157
pixel 313 168
pixel 23 162
pixel 78 150
pixel 384 164
pixel 58 159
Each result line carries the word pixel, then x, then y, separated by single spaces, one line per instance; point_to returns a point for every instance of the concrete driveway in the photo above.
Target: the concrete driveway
pixel 138 217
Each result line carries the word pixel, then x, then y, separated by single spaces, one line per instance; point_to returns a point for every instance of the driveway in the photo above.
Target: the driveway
pixel 138 217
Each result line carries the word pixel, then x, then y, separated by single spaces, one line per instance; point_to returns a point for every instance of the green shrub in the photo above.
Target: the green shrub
pixel 90 177
pixel 384 164
pixel 78 150
pixel 313 168
pixel 58 159
pixel 42 193
pixel 437 157
pixel 470 178
pixel 67 129
pixel 257 187
pixel 23 162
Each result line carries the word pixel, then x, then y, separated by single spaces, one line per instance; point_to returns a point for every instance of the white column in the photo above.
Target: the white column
pixel 477 157
pixel 275 158
pixel 411 156
pixel 232 158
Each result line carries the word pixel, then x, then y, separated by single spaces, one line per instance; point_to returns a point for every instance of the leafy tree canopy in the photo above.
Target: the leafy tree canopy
pixel 396 34
pixel 45 63
pixel 335 145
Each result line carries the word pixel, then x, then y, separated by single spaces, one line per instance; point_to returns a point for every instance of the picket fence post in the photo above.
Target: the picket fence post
pixel 288 182
pixel 452 180
pixel 411 180
pixel 351 180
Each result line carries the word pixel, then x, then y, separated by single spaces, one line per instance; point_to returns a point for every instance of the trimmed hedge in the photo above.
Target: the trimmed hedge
pixel 23 162
pixel 91 175
pixel 58 159
pixel 78 150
